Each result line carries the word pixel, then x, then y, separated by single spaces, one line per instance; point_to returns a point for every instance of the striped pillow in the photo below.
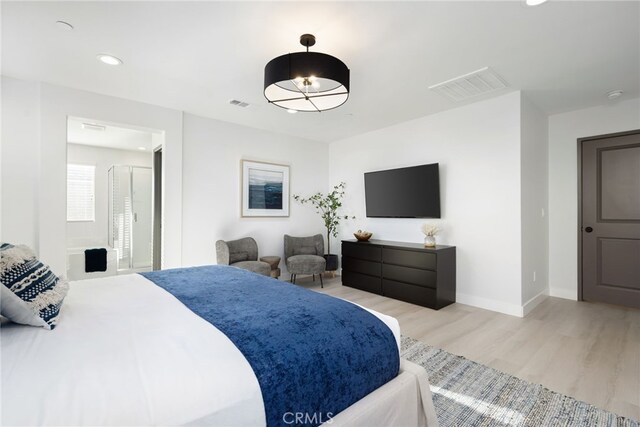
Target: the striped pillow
pixel 31 293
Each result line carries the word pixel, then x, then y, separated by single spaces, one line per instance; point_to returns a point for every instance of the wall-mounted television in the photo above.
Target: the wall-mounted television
pixel 412 192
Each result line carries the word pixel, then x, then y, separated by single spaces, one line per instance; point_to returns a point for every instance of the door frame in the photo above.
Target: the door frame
pixel 580 142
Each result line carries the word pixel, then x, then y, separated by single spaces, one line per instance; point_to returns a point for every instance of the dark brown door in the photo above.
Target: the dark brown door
pixel 611 219
pixel 157 209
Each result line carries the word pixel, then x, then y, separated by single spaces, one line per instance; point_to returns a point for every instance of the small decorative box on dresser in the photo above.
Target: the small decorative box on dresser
pixel 405 271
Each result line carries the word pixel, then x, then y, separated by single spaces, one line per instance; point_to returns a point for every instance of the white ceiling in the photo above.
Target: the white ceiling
pixel 196 56
pixel 119 138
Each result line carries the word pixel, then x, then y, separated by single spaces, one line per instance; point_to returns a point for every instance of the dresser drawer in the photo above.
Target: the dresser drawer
pixel 361 266
pixel 362 281
pixel 414 294
pixel 362 251
pixel 413 259
pixel 415 276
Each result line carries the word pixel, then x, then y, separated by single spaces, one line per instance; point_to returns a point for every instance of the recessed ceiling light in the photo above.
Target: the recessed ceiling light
pixel 142 148
pixel 614 94
pixel 290 111
pixel 109 59
pixel 64 25
pixel 535 2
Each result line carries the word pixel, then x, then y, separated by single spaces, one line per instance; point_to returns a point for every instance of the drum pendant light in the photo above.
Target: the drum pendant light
pixel 306 81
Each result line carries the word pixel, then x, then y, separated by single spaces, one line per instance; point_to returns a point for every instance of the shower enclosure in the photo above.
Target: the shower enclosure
pixel 131 216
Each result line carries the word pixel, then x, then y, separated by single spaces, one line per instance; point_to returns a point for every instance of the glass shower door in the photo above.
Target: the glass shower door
pixel 142 229
pixel 130 216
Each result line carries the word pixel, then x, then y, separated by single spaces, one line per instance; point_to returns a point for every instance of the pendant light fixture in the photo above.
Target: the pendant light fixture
pixel 306 81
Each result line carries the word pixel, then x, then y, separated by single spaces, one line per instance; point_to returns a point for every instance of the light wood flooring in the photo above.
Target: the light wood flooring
pixel 585 350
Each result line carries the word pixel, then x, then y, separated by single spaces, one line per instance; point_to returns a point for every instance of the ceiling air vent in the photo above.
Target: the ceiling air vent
pixel 470 85
pixel 239 103
pixel 92 126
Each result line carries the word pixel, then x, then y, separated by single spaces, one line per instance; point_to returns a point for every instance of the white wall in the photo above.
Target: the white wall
pixel 212 151
pixel 38 113
pixel 478 148
pixel 95 233
pixel 20 162
pixel 534 185
pixel 564 131
pixel 47 121
pixel 492 182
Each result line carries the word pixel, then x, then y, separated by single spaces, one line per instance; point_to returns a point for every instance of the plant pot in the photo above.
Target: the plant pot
pixel 332 262
pixel 429 241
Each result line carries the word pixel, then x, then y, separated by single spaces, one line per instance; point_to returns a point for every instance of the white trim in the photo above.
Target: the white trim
pixel 571 294
pixel 534 302
pixel 503 307
pixel 489 304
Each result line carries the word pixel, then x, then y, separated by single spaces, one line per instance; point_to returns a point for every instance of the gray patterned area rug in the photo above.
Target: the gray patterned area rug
pixel 466 393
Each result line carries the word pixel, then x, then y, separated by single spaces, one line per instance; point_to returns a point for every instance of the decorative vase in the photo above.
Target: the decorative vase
pixel 363 236
pixel 429 241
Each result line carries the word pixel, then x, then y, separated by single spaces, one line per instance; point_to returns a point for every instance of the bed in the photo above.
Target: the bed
pixel 143 350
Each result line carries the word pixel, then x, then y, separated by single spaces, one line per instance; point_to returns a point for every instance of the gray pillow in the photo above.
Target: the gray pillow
pixel 238 256
pixel 306 250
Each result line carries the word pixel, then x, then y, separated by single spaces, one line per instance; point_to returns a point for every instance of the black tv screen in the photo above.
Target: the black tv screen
pixel 412 192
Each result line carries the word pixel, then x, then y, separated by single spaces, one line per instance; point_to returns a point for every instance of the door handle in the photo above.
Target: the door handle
pixel 588 229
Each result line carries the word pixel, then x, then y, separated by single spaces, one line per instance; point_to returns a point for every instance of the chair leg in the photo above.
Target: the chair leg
pixel 321 284
pixel 294 278
pixel 291 278
pixel 314 277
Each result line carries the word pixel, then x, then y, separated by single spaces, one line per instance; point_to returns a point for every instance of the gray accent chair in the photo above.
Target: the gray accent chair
pixel 303 255
pixel 241 253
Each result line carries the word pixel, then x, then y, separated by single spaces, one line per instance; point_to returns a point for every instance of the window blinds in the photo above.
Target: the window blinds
pixel 81 192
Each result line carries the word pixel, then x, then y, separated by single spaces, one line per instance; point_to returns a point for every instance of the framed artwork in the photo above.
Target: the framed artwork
pixel 265 189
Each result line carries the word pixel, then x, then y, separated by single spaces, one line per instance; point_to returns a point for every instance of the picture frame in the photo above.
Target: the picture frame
pixel 265 189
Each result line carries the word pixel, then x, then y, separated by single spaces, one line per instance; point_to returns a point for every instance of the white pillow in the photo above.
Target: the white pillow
pixel 16 310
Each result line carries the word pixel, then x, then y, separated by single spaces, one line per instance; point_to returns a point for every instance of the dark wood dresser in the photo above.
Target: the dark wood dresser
pixel 405 271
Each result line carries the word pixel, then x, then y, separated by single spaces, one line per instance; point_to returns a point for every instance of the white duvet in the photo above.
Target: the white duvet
pixel 123 342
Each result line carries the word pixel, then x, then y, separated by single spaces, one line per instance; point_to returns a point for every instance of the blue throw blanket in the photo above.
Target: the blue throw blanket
pixel 313 354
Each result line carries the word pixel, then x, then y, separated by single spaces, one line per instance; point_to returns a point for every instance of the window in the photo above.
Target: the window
pixel 81 187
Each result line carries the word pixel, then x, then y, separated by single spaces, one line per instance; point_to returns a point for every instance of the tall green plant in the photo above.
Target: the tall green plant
pixel 327 205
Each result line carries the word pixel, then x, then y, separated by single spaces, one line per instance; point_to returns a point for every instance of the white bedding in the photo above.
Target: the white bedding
pixel 114 334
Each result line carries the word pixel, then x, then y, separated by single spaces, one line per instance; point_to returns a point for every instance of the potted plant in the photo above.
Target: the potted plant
pixel 327 205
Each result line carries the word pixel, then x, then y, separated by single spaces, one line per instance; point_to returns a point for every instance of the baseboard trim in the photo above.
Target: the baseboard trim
pixel 489 304
pixel 564 293
pixel 503 307
pixel 533 302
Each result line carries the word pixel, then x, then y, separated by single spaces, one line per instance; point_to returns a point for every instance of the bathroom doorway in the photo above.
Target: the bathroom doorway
pixel 111 195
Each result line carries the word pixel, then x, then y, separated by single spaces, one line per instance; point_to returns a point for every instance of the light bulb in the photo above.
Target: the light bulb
pixel 535 2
